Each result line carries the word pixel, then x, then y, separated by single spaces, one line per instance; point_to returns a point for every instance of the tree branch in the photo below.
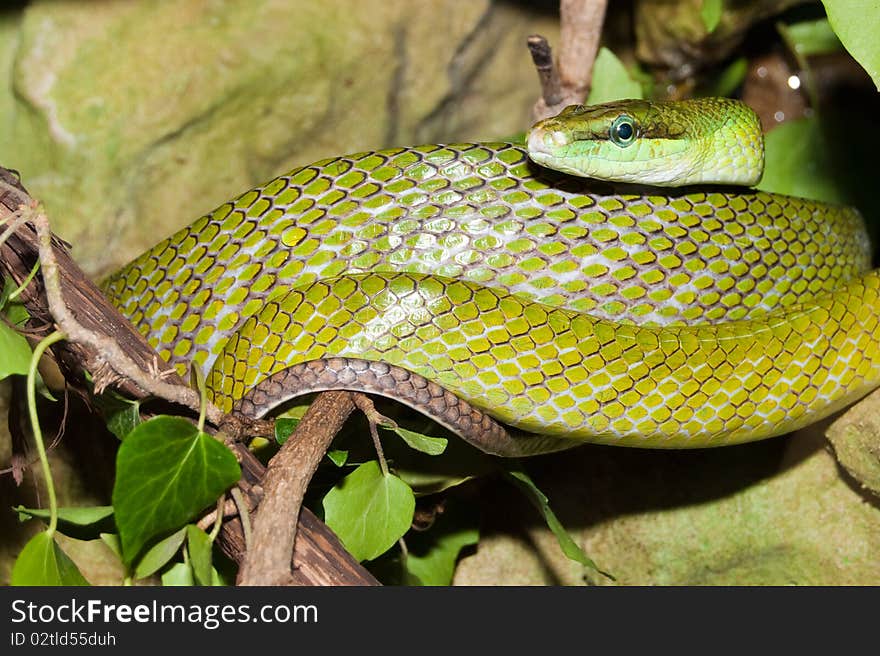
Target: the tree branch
pixel 542 57
pixel 319 558
pixel 569 82
pixel 580 32
pixel 291 469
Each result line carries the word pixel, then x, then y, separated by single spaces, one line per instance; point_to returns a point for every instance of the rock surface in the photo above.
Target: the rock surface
pixel 131 119
pixel 777 512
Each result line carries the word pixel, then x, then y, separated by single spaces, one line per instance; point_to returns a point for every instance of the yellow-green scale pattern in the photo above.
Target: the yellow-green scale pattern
pixel 558 372
pixel 585 280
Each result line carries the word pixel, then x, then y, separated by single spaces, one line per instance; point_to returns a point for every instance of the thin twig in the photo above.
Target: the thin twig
pixel 20 462
pixel 267 561
pixel 374 420
pixel 16 220
pixel 227 509
pixel 580 23
pixel 568 82
pixel 542 57
pixel 218 519
pixel 244 513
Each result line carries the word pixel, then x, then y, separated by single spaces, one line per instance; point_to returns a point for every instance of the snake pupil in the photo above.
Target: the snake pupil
pixel 622 131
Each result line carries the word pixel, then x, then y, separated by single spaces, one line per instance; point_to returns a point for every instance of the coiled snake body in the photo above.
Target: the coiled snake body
pixel 473 284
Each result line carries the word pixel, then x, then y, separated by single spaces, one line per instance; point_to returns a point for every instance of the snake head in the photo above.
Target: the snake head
pixel 666 144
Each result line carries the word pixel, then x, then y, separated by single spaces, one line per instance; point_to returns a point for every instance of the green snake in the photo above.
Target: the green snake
pixel 524 308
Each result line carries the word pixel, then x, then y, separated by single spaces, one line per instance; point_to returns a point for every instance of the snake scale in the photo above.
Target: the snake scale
pixel 479 287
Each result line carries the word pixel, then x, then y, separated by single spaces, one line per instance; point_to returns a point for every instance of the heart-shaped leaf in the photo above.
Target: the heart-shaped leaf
pixel 166 473
pixel 369 511
pixel 42 562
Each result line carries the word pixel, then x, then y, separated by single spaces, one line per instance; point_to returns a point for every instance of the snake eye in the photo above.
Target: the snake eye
pixel 623 131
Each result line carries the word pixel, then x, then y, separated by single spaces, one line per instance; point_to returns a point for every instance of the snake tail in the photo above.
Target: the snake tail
pixel 353 375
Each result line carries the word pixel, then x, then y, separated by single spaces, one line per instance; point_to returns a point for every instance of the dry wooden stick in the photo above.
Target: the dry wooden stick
pixel 268 558
pixel 569 81
pixel 542 57
pixel 319 558
pixel 91 309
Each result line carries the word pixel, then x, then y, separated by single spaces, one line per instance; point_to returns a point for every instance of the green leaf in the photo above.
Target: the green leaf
pixel 728 81
pixel 797 162
pixel 6 289
pixel 179 574
pixel 166 473
pixel 217 579
pixel 125 420
pixel 113 543
pixel 814 37
pixel 159 554
pixel 369 511
pixel 611 80
pixel 433 446
pixel 711 12
pixel 428 474
pixel 43 562
pixel 122 415
pixel 287 423
pixel 855 23
pixel 81 523
pixel 338 457
pixel 199 545
pixel 516 137
pixel 432 554
pixel 284 427
pixel 15 352
pixel 16 313
pixel 569 547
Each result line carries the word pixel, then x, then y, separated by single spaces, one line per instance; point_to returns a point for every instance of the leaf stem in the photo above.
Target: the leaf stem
pixel 24 283
pixel 218 520
pixel 35 425
pixel 203 395
pixel 374 418
pixel 404 555
pixel 244 514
